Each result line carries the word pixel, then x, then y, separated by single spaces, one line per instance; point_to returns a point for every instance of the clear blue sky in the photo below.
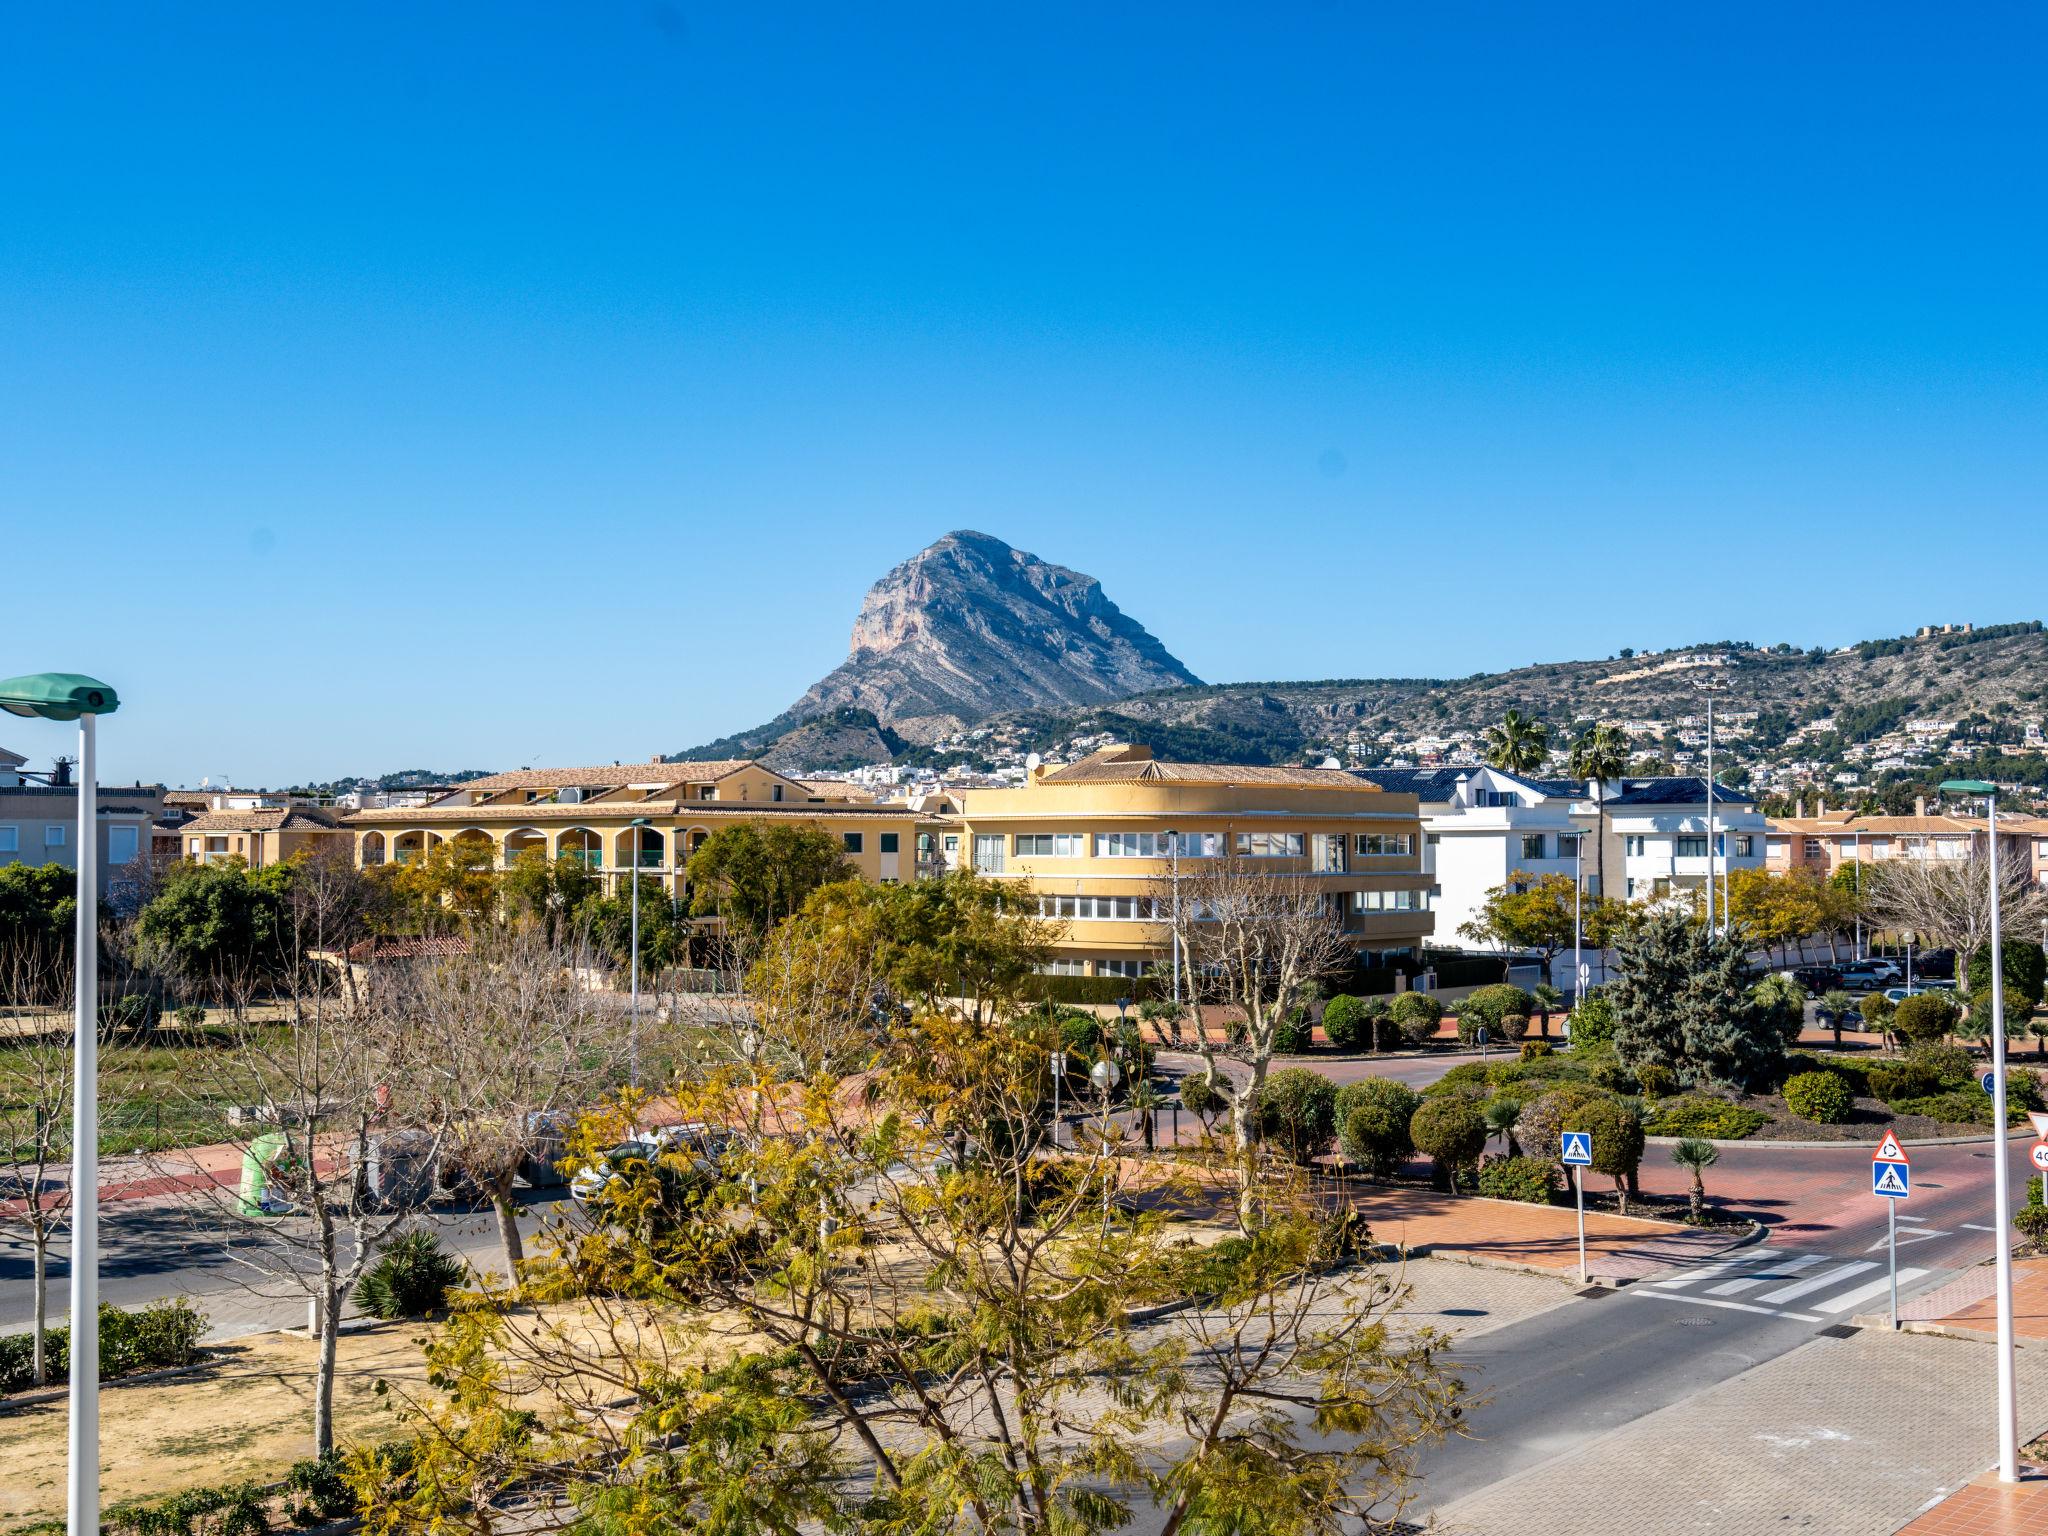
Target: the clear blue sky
pixel 456 386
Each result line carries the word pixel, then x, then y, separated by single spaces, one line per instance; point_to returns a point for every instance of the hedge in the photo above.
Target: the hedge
pixel 1098 989
pixel 161 1335
pixel 1701 1114
pixel 1530 1180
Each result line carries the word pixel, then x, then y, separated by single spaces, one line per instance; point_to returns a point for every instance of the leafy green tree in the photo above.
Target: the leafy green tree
pixel 1593 1021
pixel 1451 1131
pixel 1373 1118
pixel 1696 1155
pixel 2025 968
pixel 38 910
pixel 1681 1002
pixel 550 891
pixel 1298 1108
pixel 753 874
pixel 1617 1133
pixel 221 920
pixel 1926 1018
pixel 1539 913
pixel 664 930
pixel 1519 744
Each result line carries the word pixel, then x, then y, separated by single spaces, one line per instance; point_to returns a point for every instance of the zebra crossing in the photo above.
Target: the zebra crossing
pixel 1810 1287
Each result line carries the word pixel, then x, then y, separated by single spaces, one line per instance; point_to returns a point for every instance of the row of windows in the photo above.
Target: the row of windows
pixel 53 837
pixel 1189 845
pixel 854 842
pixel 1388 901
pixel 1101 908
pixel 1102 968
pixel 1694 846
pixel 122 840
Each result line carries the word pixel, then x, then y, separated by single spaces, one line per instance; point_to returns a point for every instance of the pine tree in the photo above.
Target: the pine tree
pixel 1681 1002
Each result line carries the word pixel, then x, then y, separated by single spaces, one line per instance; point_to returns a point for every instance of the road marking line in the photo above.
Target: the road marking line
pixel 1732 1306
pixel 1704 1272
pixel 1818 1282
pixel 1971 1226
pixel 1848 1299
pixel 1765 1276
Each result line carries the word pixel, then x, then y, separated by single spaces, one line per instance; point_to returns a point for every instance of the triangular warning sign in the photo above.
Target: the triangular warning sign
pixel 2040 1119
pixel 1889 1150
pixel 1888 1181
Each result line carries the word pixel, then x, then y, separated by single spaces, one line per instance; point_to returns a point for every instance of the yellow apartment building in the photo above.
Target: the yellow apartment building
pixel 259 835
pixel 1097 841
pixel 589 814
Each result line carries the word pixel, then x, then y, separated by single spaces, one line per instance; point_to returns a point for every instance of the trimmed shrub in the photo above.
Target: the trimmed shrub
pixel 1822 1097
pixel 1466 1077
pixel 1451 1132
pixel 1491 1006
pixel 2022 1089
pixel 1199 1096
pixel 1905 1080
pixel 1530 1180
pixel 317 1491
pixel 1347 1024
pixel 1877 1010
pixel 1926 1018
pixel 238 1509
pixel 1614 1077
pixel 1959 1106
pixel 411 1278
pixel 1617 1140
pixel 1657 1082
pixel 1514 1025
pixel 2032 1222
pixel 1298 1109
pixel 1593 1021
pixel 1534 1050
pixel 1373 1123
pixel 1952 1066
pixel 1543 1117
pixel 1291 1035
pixel 1416 1015
pixel 1700 1114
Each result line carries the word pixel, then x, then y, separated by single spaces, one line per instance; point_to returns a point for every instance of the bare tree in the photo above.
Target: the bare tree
pixel 519 1047
pixel 1252 942
pixel 1948 901
pixel 35 1119
pixel 335 1083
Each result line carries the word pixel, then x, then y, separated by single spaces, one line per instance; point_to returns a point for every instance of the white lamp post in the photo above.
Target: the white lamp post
pixel 639 824
pixel 68 696
pixel 1173 863
pixel 2001 1177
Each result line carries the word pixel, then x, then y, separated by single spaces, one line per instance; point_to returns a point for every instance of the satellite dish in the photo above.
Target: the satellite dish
pixel 1331 762
pixel 1031 763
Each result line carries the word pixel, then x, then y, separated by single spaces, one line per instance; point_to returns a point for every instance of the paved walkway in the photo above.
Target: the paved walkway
pixel 1544 1237
pixel 1812 1441
pixel 1989 1508
pixel 1969 1304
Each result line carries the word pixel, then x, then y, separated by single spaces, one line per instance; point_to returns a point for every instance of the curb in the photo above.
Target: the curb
pixel 61 1392
pixel 1809 1146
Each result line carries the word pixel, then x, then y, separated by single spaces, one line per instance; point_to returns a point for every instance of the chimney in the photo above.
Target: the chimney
pixel 1822 812
pixel 1919 805
pixel 60 773
pixel 1799 808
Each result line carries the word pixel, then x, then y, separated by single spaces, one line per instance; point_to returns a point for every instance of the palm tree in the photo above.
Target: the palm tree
pixel 1501 1117
pixel 1600 754
pixel 1698 1155
pixel 1519 744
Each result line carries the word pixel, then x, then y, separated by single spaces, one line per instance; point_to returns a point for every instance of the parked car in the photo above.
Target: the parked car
pixel 1900 994
pixel 593 1178
pixel 1869 975
pixel 1933 963
pixel 1817 979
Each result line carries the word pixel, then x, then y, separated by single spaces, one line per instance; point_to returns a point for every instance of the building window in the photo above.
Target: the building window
pixel 952 842
pixel 891 842
pixel 1568 845
pixel 1690 848
pixel 853 841
pixel 10 839
pixel 1052 845
pixel 121 846
pixel 1810 848
pixel 774 791
pixel 53 835
pixel 707 791
pixel 1745 846
pixel 1123 967
pixel 1132 845
pixel 988 853
pixel 1387 901
pixel 1063 968
pixel 1384 845
pixel 1328 850
pixel 1269 845
pixel 1498 799
pixel 1632 846
pixel 1532 845
pixel 1100 909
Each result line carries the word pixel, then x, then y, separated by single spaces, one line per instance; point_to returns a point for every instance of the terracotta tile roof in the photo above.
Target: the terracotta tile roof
pixel 619 811
pixel 609 775
pixel 279 819
pixel 1123 765
pixel 1880 826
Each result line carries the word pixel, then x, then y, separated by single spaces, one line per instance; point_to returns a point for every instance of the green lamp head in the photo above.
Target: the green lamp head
pixel 57 696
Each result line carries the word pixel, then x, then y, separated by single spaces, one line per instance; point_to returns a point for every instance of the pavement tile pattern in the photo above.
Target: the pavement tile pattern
pixel 1841 1437
pixel 1989 1508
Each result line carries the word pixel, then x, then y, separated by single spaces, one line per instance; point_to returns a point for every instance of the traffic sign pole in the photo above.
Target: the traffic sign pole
pixel 1579 1184
pixel 1891 1232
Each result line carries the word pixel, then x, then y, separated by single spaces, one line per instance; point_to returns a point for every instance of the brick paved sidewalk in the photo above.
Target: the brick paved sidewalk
pixel 1545 1237
pixel 1988 1508
pixel 1969 1304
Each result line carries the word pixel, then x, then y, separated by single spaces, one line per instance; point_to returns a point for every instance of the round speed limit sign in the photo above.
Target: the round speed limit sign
pixel 2039 1153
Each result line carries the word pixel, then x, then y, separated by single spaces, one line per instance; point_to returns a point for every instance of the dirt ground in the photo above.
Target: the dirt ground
pixel 246 1416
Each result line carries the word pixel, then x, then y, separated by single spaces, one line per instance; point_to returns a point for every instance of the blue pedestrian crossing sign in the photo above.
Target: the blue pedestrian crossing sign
pixel 1894 1181
pixel 1578 1149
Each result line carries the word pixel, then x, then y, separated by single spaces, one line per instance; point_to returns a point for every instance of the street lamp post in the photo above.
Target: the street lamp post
pixel 1578 926
pixel 2001 1177
pixel 639 824
pixel 68 696
pixel 1173 863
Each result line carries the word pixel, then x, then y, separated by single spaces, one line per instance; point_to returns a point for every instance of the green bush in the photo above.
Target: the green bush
pixel 160 1336
pixel 1298 1108
pixel 1877 1010
pixel 2032 1222
pixel 317 1491
pixel 1451 1132
pixel 1657 1082
pixel 1199 1096
pixel 1822 1097
pixel 1492 1006
pixel 1594 1020
pixel 1372 1123
pixel 1514 1026
pixel 1291 1036
pixel 1349 1024
pixel 1952 1066
pixel 412 1278
pixel 239 1509
pixel 1533 1050
pixel 1530 1180
pixel 1614 1077
pixel 1617 1137
pixel 2022 1089
pixel 1466 1077
pixel 1700 1114
pixel 1905 1080
pixel 1416 1015
pixel 1959 1106
pixel 1543 1117
pixel 1926 1018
